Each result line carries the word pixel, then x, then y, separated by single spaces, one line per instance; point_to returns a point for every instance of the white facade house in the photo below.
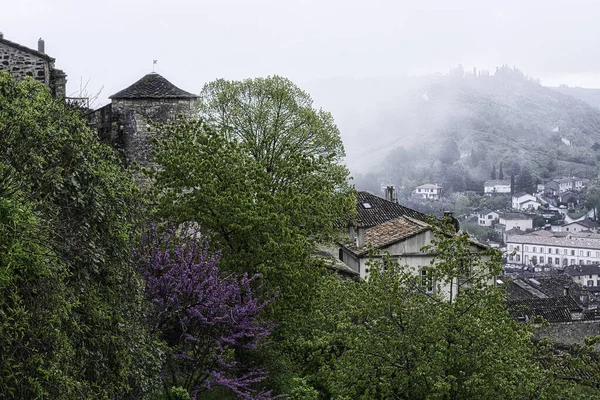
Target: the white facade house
pixel 586 275
pixel 554 251
pixel 577 226
pixel 515 220
pixel 487 218
pixel 525 201
pixel 385 227
pixel 496 187
pixel 428 191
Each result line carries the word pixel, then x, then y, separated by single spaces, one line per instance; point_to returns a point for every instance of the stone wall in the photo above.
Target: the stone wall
pixel 130 123
pixel 570 333
pixel 22 63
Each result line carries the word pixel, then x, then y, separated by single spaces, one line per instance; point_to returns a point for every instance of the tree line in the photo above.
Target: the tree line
pixel 204 283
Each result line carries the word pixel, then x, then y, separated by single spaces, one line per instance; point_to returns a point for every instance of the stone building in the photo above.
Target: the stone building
pixel 125 122
pixel 22 62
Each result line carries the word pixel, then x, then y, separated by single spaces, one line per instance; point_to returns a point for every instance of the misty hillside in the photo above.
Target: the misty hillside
pixel 454 129
pixel 590 96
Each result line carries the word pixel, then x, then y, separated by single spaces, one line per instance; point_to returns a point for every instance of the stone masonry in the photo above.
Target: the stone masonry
pixel 22 62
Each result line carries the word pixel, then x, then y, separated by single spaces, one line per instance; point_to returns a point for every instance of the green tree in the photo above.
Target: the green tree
pixel 591 196
pixel 493 174
pixel 524 181
pixel 449 152
pixel 500 172
pixel 261 175
pixel 80 211
pixel 389 337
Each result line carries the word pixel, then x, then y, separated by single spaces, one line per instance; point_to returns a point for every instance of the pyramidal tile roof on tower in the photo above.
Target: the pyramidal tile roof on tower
pixel 153 86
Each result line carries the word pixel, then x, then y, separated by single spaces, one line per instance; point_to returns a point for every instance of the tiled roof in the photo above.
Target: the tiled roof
pixel 387 233
pixel 553 309
pixel 545 286
pixel 582 270
pixel 373 210
pixel 497 182
pixel 26 49
pixel 568 241
pixel 153 86
pixel 513 216
pixel 585 223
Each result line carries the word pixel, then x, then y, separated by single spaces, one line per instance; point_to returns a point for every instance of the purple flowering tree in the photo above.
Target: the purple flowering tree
pixel 204 316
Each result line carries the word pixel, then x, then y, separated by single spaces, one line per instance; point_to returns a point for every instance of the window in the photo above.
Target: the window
pixel 341 255
pixel 534 249
pixel 557 261
pixel 426 281
pixel 590 283
pixel 589 253
pixel 518 258
pixel 367 205
pixel 510 247
pixel 590 276
pixel 490 216
pixel 518 248
pixel 588 262
pixel 541 249
pixel 580 253
pixel 526 248
pixel 541 259
pixel 598 254
pixel 566 252
pixel 572 252
pixel 556 251
pixel 510 258
pixel 572 261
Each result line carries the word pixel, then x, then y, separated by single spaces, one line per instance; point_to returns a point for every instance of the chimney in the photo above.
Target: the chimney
pixel 566 291
pixel 1 35
pixel 360 237
pixel 41 46
pixel 389 194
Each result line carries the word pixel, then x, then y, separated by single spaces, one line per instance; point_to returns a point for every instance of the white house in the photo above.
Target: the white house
pixel 584 225
pixel 515 220
pixel 525 201
pixel 428 191
pixel 385 227
pixel 556 251
pixel 496 187
pixel 487 218
pixel 586 275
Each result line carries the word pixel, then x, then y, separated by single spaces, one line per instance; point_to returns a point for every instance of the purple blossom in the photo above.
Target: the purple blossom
pixel 203 315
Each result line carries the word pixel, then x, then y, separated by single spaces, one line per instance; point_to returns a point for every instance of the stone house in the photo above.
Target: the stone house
pixel 125 122
pixel 383 226
pixel 21 62
pixel 496 187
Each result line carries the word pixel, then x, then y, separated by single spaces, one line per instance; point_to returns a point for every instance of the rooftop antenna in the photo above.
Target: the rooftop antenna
pixel 153 64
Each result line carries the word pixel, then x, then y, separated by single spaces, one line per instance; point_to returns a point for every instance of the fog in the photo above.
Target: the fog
pixel 369 63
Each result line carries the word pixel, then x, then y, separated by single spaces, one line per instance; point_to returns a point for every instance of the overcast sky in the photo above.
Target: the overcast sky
pixel 113 42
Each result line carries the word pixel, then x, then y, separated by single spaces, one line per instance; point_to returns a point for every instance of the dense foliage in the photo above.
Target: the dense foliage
pixel 71 300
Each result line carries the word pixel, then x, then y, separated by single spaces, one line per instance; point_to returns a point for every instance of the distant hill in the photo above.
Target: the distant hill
pixel 454 129
pixel 590 96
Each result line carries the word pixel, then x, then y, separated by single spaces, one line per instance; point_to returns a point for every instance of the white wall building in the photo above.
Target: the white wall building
pixel 554 251
pixel 428 191
pixel 496 187
pixel 525 201
pixel 487 218
pixel 586 275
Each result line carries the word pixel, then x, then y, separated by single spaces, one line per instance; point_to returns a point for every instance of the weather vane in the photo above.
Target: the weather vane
pixel 153 64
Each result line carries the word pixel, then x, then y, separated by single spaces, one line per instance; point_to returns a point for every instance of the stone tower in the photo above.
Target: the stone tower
pixel 125 121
